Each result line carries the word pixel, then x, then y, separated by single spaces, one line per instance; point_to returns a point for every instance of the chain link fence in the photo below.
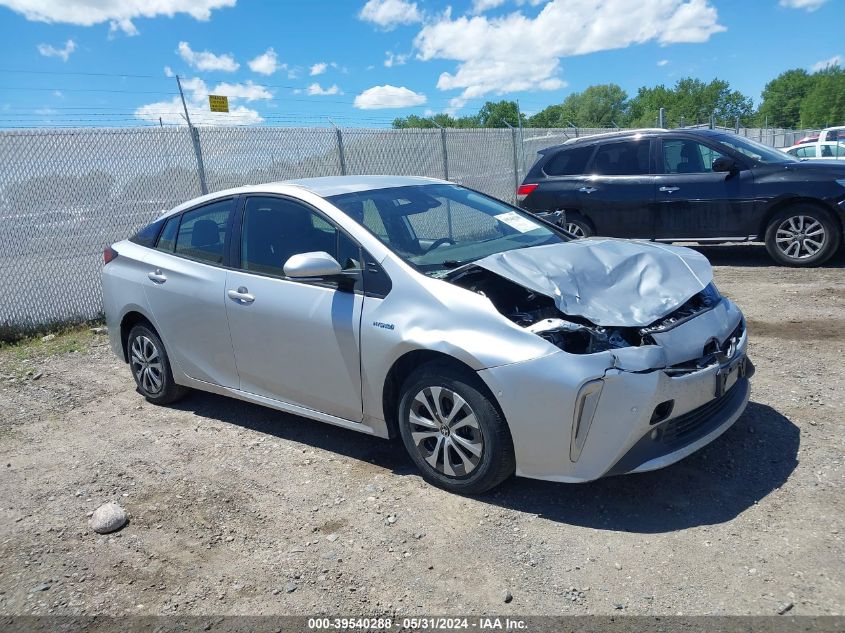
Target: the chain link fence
pixel 66 194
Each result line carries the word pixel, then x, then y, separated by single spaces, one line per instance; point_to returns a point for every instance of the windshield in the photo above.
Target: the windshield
pixel 436 228
pixel 757 151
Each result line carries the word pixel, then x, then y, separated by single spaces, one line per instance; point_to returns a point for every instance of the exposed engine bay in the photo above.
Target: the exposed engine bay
pixel 538 313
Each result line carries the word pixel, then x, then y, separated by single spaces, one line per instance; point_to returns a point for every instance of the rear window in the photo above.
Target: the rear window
pixel 624 158
pixel 147 236
pixel 569 162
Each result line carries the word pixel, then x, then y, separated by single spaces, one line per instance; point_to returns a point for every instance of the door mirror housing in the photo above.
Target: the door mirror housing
pixel 725 164
pixel 315 264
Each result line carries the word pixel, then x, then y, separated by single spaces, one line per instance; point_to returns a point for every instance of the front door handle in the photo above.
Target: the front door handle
pixel 587 189
pixel 157 276
pixel 668 189
pixel 241 295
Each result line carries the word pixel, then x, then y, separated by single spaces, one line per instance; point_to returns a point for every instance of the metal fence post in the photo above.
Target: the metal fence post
pixel 340 153
pixel 195 140
pixel 515 159
pixel 445 153
pixel 661 118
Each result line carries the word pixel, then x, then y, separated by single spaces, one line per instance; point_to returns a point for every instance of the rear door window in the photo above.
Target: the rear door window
pixel 203 231
pixel 569 162
pixel 622 158
pixel 147 235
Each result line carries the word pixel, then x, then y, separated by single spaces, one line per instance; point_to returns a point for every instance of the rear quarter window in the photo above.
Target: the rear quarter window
pixel 569 162
pixel 147 236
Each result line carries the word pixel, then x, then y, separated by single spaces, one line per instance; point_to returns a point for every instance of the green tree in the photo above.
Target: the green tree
pixel 691 101
pixel 438 120
pixel 601 105
pixel 824 104
pixel 496 114
pixel 783 96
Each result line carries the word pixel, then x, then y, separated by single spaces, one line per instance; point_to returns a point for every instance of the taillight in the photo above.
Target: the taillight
pixel 108 255
pixel 525 189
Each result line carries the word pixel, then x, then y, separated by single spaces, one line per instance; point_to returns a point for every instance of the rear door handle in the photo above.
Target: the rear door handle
pixel 668 189
pixel 241 295
pixel 587 189
pixel 157 276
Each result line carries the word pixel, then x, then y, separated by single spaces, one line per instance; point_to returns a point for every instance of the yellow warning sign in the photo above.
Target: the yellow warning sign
pixel 218 103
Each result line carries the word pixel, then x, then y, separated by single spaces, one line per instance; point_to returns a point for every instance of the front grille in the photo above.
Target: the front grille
pixel 688 427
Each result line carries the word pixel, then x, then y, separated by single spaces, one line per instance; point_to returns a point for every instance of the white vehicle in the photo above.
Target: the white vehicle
pixel 827 150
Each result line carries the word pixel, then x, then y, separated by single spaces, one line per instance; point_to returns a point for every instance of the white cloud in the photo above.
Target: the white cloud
pixel 387 96
pixel 51 51
pixel 118 13
pixel 196 99
pixel 318 69
pixel 663 62
pixel 206 60
pixel 809 5
pixel 836 60
pixel 516 52
pixel 392 60
pixel 266 64
pixel 390 13
pixel 480 6
pixel 247 91
pixel 317 90
pixel 168 72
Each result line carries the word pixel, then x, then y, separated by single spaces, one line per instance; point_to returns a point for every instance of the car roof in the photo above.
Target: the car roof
pixel 324 186
pixel 622 134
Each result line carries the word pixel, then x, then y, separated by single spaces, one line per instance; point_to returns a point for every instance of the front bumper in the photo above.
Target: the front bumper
pixel 632 429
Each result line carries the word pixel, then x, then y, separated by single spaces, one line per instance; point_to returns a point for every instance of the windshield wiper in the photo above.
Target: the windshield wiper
pixel 453 263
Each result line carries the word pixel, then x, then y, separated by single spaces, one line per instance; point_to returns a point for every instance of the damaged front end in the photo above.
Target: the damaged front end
pixel 654 364
pixel 539 314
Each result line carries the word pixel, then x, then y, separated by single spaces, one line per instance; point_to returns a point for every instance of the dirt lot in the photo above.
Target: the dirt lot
pixel 239 509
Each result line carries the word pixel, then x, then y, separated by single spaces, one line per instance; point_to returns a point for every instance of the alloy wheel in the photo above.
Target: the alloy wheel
pixel 146 364
pixel 800 236
pixel 575 229
pixel 445 431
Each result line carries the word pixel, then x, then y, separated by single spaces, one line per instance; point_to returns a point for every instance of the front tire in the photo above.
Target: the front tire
pixel 802 235
pixel 151 367
pixel 453 431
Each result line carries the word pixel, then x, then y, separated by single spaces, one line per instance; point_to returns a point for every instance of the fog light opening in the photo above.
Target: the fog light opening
pixel 662 411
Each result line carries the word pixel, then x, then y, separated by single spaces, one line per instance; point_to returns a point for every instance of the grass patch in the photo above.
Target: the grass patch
pixel 20 359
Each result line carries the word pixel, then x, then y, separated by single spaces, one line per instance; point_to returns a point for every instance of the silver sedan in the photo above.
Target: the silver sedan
pixel 491 342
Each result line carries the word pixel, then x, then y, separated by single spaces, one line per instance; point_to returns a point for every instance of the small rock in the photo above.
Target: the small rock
pixel 617 565
pixel 109 517
pixel 331 538
pixel 37 375
pixel 785 607
pixel 618 605
pixel 99 330
pixel 507 596
pixel 391 519
pixel 44 586
pixel 48 338
pixel 290 587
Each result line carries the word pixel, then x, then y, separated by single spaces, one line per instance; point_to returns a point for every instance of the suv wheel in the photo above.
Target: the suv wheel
pixel 801 235
pixel 579 227
pixel 151 367
pixel 452 430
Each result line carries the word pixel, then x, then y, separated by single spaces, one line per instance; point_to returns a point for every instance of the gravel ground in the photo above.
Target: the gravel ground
pixel 237 509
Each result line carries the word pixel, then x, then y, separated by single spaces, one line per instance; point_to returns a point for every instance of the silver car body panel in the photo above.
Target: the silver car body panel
pixel 326 354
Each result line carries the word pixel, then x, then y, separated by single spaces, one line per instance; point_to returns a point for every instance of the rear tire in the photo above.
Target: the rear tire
pixel 453 430
pixel 151 367
pixel 578 226
pixel 802 235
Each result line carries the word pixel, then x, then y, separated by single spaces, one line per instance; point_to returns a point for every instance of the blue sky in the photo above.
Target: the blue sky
pixel 364 62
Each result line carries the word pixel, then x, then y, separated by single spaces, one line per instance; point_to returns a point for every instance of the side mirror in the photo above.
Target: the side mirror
pixel 316 264
pixel 723 163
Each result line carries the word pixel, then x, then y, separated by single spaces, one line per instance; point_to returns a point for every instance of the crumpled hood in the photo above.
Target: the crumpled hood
pixel 611 282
